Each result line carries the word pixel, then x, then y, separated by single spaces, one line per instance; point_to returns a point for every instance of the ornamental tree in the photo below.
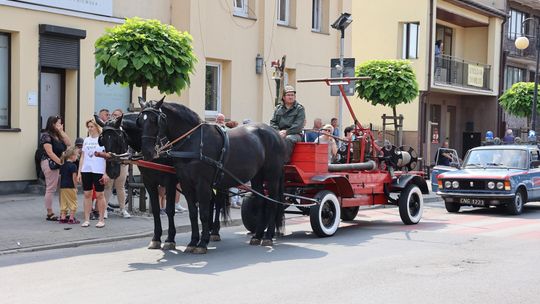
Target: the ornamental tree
pixel 392 82
pixel 145 53
pixel 518 99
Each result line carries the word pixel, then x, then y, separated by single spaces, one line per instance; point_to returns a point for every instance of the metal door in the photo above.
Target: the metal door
pixel 50 96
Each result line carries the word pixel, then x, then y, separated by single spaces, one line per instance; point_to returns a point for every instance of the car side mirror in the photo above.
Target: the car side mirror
pixel 454 164
pixel 535 164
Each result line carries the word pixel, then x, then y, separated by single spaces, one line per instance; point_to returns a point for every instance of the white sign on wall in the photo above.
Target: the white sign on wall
pixel 476 76
pixel 99 7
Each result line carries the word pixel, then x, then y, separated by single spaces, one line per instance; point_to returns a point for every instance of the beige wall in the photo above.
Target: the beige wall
pixel 375 37
pixel 236 42
pixel 155 9
pixel 23 26
pixel 218 37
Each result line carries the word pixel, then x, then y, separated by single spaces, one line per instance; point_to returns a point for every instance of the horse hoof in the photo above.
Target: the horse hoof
pixel 215 238
pixel 154 245
pixel 255 241
pixel 189 249
pixel 169 246
pixel 200 250
pixel 267 242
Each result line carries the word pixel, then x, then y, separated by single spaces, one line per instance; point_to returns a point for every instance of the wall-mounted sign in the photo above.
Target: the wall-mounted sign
pixel 98 7
pixel 475 75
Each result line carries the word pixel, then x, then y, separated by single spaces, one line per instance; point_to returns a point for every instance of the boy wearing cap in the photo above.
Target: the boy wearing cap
pixel 289 117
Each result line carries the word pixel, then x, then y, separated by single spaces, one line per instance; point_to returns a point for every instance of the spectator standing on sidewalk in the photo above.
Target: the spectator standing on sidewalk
pixel 104 115
pixel 509 137
pixel 119 182
pixel 54 142
pixel 68 186
pixel 92 173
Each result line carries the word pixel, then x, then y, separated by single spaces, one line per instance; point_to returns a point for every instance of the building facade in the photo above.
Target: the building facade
pixel 455 49
pixel 519 65
pixel 47 63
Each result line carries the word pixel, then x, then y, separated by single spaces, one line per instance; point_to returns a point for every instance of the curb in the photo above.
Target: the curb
pixel 73 244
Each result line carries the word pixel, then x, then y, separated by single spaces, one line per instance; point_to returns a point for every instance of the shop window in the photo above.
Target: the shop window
pixel 111 97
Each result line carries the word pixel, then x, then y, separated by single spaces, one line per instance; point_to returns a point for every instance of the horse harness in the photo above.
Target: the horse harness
pixel 219 164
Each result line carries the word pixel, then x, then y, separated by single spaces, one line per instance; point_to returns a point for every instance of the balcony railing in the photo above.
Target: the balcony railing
pixel 461 73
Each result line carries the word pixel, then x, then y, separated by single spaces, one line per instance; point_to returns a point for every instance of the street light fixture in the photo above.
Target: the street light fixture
pixel 522 43
pixel 341 23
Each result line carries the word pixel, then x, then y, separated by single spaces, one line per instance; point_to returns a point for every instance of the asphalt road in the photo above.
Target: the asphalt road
pixel 479 256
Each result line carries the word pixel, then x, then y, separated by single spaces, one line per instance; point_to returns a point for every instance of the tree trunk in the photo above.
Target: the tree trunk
pixel 396 133
pixel 144 91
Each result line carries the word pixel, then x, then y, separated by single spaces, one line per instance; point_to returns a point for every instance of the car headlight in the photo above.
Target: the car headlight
pixel 447 184
pixel 455 184
pixel 491 185
pixel 500 185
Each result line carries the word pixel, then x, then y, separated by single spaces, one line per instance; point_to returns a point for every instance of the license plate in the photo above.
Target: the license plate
pixel 472 201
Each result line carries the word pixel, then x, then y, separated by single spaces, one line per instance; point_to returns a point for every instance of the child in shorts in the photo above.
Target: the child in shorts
pixel 68 186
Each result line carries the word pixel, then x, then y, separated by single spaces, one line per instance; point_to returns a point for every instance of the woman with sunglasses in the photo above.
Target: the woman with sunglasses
pixel 326 138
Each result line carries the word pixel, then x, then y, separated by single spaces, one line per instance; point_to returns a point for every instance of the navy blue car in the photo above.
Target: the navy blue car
pixel 503 176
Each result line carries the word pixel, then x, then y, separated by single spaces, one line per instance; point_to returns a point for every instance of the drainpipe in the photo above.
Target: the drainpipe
pixel 503 58
pixel 424 95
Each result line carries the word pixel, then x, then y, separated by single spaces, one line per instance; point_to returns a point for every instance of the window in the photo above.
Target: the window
pixel 410 41
pixel 444 34
pixel 5 80
pixel 513 75
pixel 283 12
pixel 316 15
pixel 112 97
pixel 241 7
pixel 515 29
pixel 212 104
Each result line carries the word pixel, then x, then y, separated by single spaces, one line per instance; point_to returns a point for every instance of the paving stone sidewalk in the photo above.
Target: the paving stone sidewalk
pixel 24 228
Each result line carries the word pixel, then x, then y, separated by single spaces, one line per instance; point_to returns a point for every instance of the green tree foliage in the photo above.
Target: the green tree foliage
pixel 518 99
pixel 392 82
pixel 146 53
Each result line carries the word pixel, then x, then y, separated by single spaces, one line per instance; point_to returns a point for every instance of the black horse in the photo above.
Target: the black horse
pixel 252 152
pixel 116 136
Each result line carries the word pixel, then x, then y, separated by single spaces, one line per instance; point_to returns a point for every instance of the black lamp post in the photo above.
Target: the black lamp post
pixel 341 24
pixel 522 43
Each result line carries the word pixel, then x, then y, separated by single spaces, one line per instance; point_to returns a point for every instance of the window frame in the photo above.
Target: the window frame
pixel 211 113
pixel 287 20
pixel 316 16
pixel 517 75
pixel 9 49
pixel 406 37
pixel 514 24
pixel 242 10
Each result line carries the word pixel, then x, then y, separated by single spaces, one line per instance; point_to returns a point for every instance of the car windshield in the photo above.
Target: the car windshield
pixel 506 158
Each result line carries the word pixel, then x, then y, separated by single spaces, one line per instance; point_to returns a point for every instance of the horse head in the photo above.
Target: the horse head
pixel 114 140
pixel 153 123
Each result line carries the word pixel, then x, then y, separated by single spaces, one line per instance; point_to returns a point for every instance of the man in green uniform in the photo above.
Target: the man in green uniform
pixel 289 118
